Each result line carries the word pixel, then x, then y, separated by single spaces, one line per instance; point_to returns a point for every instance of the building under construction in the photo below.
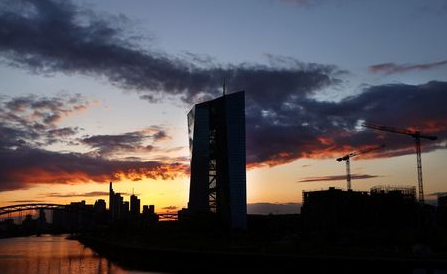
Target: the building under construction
pixel 334 207
pixel 407 193
pixel 383 206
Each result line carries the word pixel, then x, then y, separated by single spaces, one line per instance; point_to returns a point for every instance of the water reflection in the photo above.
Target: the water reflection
pixel 52 254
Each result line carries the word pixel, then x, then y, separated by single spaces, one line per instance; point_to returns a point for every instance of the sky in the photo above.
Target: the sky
pixel 98 91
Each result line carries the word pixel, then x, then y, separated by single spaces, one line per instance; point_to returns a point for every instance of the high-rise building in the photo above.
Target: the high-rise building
pixel 134 205
pixel 116 207
pixel 111 195
pixel 100 206
pixel 217 145
pixel 124 210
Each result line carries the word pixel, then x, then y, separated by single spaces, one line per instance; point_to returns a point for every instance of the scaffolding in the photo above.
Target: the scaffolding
pixel 408 192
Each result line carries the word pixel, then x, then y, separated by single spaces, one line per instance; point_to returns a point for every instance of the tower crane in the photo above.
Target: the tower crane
pixel 417 135
pixel 347 158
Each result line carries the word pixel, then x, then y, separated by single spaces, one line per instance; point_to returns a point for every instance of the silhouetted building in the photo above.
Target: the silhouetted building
pixel 148 209
pixel 100 206
pixel 28 224
pixel 8 226
pixel 111 197
pixel 217 145
pixel 124 212
pixel 442 210
pixel 63 220
pixel 149 216
pixel 42 221
pixel 145 209
pixel 134 205
pixel 81 215
pixel 384 206
pixel 394 206
pixel 442 201
pixel 333 208
pixel 116 206
pixel 395 192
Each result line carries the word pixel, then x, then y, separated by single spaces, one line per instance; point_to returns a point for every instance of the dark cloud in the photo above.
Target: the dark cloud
pixel 64 132
pixel 438 194
pixel 284 121
pixel 150 98
pixel 56 36
pixel 76 195
pixel 127 143
pixel 25 131
pixel 306 128
pixel 273 208
pixel 32 120
pixel 26 167
pixel 111 144
pixel 169 208
pixel 391 68
pixel 26 201
pixel 337 178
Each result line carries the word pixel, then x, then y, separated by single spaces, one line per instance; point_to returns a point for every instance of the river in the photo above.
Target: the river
pixel 52 254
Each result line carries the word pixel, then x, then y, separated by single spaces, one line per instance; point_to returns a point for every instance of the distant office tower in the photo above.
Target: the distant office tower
pixel 124 210
pixel 100 206
pixel 116 207
pixel 134 205
pixel 148 210
pixel 111 195
pixel 217 145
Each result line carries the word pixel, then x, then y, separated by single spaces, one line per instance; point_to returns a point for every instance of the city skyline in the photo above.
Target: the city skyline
pixel 98 91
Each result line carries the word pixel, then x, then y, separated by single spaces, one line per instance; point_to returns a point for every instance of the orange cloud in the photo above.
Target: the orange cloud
pixel 26 168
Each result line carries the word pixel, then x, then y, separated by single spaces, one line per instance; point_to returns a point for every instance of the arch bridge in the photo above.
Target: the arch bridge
pixel 34 206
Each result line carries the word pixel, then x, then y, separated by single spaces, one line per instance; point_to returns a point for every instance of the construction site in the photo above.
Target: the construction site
pixel 392 216
pixel 382 206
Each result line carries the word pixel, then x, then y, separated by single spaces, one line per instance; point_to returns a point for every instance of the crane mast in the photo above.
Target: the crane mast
pixel 417 140
pixel 348 173
pixel 347 158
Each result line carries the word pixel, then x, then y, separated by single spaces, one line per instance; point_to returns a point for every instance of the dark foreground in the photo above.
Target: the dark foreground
pixel 179 260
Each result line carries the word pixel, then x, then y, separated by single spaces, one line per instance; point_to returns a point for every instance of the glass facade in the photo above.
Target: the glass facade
pixel 217 145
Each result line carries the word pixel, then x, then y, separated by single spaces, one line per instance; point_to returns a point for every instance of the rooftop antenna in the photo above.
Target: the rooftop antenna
pixel 223 88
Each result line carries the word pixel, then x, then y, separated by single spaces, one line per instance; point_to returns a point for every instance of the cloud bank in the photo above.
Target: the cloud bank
pixel 391 68
pixel 336 178
pixel 284 120
pixel 29 124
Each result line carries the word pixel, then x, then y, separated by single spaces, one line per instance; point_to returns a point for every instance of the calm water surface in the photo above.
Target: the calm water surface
pixel 52 254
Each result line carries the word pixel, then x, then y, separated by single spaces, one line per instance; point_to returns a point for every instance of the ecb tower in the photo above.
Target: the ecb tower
pixel 217 145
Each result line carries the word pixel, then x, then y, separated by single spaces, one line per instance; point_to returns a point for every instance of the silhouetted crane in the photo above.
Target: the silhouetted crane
pixel 417 135
pixel 347 158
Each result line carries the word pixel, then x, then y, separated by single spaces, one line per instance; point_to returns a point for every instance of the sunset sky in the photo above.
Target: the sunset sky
pixel 93 91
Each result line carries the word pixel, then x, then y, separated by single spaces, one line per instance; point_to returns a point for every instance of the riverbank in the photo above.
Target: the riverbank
pixel 176 260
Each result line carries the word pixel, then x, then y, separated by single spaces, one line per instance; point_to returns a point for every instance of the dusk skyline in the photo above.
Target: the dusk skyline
pixel 98 91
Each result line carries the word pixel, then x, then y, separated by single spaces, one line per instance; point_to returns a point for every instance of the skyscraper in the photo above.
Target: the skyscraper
pixel 111 195
pixel 115 203
pixel 217 145
pixel 134 205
